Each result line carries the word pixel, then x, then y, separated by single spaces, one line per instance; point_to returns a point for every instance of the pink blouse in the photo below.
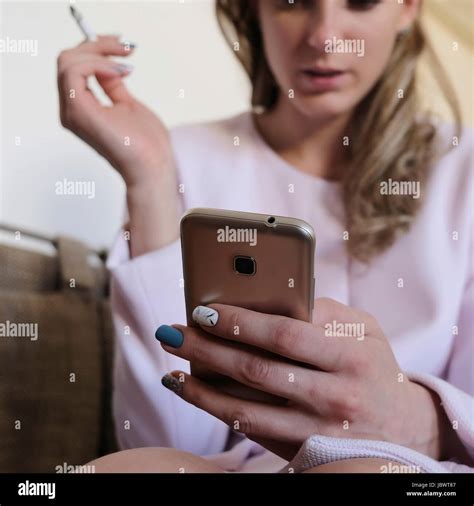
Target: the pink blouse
pixel 421 291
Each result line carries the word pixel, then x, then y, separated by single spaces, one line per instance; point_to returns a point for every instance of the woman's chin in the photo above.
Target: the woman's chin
pixel 322 107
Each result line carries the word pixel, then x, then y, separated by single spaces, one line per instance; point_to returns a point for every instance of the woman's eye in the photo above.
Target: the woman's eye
pixel 362 5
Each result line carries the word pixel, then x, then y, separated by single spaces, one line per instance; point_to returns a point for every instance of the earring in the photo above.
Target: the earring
pixel 403 33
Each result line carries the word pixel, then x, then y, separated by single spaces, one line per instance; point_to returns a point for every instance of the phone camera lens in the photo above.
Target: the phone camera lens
pixel 271 219
pixel 244 265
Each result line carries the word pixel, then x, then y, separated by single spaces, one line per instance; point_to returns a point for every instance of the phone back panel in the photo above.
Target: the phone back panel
pixel 283 257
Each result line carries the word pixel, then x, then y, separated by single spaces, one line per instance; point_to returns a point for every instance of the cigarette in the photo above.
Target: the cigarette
pixel 83 25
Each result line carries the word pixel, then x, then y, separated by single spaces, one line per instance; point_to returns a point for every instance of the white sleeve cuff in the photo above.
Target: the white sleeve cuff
pixel 318 450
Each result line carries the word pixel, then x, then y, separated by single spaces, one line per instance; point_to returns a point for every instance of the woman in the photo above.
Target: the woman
pixel 337 139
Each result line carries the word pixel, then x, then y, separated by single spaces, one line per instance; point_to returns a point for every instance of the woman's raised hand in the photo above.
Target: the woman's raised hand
pixel 128 134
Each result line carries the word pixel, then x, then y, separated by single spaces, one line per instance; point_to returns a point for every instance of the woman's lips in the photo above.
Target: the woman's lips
pixel 320 80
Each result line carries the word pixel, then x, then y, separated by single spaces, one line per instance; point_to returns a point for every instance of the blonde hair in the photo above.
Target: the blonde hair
pixel 392 140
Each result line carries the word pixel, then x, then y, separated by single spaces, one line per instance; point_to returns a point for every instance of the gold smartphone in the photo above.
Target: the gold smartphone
pixel 255 261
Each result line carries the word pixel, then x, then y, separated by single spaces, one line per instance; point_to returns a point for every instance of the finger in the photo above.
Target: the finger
pixel 251 367
pixel 250 418
pixel 106 45
pixel 113 47
pixel 287 337
pixel 329 311
pixel 74 94
pixel 107 71
pixel 114 86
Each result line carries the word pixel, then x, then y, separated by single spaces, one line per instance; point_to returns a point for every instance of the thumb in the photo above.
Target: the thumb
pixel 114 86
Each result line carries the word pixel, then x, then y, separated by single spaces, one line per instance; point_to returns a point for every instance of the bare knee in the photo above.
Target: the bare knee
pixel 361 465
pixel 153 460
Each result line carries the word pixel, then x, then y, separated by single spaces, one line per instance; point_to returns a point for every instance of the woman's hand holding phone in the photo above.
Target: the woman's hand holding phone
pixel 337 385
pixel 128 134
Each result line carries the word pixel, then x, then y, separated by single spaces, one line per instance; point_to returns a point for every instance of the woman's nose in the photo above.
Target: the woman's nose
pixel 322 24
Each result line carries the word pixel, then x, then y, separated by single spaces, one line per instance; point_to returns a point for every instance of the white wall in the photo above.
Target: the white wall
pixel 178 46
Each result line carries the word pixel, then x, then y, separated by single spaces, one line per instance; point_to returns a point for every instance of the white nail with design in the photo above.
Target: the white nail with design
pixel 205 316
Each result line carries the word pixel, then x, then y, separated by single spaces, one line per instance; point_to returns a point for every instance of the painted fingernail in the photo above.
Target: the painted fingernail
pixel 123 68
pixel 169 335
pixel 128 45
pixel 172 383
pixel 205 316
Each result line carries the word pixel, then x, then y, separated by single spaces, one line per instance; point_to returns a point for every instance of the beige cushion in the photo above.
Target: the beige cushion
pixel 55 391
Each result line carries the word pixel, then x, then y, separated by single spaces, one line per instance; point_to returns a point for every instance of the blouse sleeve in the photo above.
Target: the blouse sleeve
pixel 146 292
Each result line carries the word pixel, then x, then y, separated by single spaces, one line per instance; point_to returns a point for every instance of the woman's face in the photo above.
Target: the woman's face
pixel 330 52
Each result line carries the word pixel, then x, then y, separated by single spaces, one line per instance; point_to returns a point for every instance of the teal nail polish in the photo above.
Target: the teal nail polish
pixel 169 335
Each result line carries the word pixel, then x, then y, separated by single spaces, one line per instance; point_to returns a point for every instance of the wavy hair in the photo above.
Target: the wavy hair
pixel 392 141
